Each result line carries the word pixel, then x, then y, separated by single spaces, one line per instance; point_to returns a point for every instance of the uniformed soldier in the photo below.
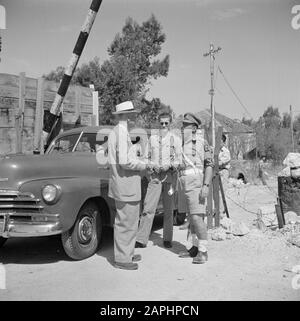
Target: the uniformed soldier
pixel 124 188
pixel 164 150
pixel 224 159
pixel 193 186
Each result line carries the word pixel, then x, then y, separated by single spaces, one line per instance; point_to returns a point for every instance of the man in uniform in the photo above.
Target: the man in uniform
pixel 193 185
pixel 124 188
pixel 224 161
pixel 164 150
pixel 224 166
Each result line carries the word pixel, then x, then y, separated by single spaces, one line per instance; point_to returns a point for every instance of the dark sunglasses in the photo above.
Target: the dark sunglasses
pixel 164 123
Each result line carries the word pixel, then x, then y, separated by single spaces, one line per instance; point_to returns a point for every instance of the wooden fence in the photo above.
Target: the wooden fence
pixel 22 104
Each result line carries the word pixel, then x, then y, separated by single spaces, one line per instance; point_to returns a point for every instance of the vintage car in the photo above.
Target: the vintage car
pixel 64 191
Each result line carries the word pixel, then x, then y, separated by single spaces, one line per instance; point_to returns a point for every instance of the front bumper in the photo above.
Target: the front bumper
pixel 26 225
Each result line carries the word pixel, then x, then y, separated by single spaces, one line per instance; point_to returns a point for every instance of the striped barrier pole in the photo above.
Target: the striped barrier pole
pixel 51 118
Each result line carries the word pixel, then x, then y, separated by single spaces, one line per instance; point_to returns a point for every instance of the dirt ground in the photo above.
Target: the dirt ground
pixel 256 266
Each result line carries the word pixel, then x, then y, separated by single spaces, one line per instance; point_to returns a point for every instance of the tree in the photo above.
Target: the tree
pixel 150 110
pixel 296 124
pixel 131 67
pixel 128 72
pixel 273 134
pixel 286 120
pixel 86 74
pixel 55 75
pixel 272 118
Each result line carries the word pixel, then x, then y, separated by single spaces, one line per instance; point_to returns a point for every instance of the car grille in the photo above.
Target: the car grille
pixel 19 204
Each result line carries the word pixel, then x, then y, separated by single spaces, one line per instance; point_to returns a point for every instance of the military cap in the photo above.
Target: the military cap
pixel 190 118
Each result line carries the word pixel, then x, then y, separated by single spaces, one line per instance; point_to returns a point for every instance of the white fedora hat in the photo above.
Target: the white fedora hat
pixel 125 107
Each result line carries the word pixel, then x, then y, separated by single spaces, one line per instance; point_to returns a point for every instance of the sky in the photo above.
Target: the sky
pixel 260 55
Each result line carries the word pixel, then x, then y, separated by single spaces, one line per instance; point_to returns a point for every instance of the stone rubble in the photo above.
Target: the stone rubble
pixel 228 230
pixel 291 217
pixel 240 229
pixel 218 234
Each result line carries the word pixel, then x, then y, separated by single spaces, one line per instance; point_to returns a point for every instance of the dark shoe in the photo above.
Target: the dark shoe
pixel 184 226
pixel 139 245
pixel 201 258
pixel 192 252
pixel 126 266
pixel 167 244
pixel 136 258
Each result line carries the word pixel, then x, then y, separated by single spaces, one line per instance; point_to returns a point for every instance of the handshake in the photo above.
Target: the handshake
pixel 154 168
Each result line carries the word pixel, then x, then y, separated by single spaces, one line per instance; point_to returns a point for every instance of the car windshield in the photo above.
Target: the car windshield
pixel 87 143
pixel 64 144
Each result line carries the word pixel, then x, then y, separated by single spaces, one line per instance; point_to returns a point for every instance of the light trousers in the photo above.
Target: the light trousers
pixel 154 190
pixel 125 230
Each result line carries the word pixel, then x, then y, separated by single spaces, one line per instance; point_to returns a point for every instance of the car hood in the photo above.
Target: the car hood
pixel 18 169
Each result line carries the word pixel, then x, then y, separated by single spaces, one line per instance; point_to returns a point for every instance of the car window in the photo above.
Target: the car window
pixel 102 143
pixel 64 144
pixel 87 143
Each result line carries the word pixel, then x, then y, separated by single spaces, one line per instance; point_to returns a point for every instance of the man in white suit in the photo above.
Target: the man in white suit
pixel 124 188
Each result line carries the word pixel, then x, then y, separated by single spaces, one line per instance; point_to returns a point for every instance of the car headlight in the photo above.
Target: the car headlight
pixel 51 193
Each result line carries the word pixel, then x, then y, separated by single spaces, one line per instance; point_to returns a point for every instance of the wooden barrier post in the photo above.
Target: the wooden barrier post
pixel 95 115
pixel 77 102
pixel 280 216
pixel 20 113
pixel 209 210
pixel 95 108
pixel 223 197
pixel 216 198
pixel 39 112
pixel 209 206
pixel 216 180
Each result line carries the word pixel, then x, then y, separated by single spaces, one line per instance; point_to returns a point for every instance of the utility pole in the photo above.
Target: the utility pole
pixel 211 53
pixel 2 25
pixel 292 129
pixel 95 117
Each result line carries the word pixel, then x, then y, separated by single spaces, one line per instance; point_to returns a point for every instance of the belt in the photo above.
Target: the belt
pixel 190 171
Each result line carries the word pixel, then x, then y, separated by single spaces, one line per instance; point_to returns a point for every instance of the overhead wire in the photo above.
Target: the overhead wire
pixel 234 93
pixel 215 83
pixel 249 114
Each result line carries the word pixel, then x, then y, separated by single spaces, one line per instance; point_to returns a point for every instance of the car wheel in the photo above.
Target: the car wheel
pixel 2 241
pixel 83 239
